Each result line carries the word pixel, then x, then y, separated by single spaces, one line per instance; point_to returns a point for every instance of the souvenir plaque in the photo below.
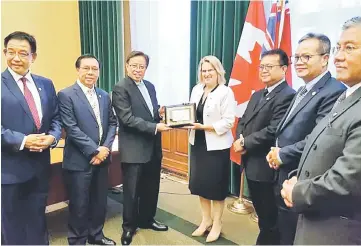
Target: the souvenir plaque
pixel 180 115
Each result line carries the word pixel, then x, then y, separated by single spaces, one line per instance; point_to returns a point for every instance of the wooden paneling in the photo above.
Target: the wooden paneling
pixel 175 151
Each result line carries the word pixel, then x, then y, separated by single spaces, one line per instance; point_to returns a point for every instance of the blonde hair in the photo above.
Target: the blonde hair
pixel 216 64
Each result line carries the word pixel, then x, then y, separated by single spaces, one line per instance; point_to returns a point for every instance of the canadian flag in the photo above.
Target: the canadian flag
pixel 257 36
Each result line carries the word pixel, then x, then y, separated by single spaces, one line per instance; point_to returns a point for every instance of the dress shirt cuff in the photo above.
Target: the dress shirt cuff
pixel 279 158
pixel 22 144
pixel 156 130
pixel 55 142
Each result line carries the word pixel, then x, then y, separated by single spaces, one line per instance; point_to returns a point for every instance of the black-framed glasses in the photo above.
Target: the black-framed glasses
pixel 304 58
pixel 21 54
pixel 348 49
pixel 268 67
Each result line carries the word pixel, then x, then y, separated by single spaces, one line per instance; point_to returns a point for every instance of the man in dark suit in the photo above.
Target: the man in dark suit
pixel 256 130
pixel 87 116
pixel 327 194
pixel 311 103
pixel 30 124
pixel 136 106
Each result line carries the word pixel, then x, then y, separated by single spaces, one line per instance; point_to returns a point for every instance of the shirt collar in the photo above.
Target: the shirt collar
pixel 352 89
pixel 310 84
pixel 139 83
pixel 83 87
pixel 271 88
pixel 17 76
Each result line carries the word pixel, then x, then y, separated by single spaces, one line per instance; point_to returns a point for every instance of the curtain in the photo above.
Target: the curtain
pixel 101 34
pixel 216 28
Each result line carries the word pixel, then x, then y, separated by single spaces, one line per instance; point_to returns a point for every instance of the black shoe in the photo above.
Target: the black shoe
pixel 154 225
pixel 103 241
pixel 127 237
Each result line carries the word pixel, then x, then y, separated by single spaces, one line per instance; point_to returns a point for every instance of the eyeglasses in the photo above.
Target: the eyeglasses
pixel 304 58
pixel 209 70
pixel 268 67
pixel 137 66
pixel 349 48
pixel 87 69
pixel 13 53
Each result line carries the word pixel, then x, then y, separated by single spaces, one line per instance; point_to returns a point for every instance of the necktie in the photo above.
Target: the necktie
pixel 300 95
pixel 339 100
pixel 31 103
pixel 95 106
pixel 263 95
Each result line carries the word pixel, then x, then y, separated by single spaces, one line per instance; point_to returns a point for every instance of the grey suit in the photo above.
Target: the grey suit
pixel 328 191
pixel 140 151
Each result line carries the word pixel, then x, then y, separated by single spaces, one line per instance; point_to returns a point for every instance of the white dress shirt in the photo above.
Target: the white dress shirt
pixel 92 97
pixel 34 92
pixel 352 89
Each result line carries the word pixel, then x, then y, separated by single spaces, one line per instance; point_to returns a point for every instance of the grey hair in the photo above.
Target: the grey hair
pixel 354 21
pixel 325 43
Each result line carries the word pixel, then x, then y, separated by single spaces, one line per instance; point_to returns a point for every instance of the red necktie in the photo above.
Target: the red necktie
pixel 31 103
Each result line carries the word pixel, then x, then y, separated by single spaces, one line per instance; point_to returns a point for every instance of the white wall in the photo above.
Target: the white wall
pixel 322 16
pixel 161 29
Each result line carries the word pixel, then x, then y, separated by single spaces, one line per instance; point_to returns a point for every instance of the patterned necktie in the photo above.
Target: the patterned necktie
pixel 95 106
pixel 300 95
pixel 339 100
pixel 31 103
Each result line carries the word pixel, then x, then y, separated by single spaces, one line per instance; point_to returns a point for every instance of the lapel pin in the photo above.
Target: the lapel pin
pixel 267 98
pixel 313 93
pixel 39 89
pixel 334 114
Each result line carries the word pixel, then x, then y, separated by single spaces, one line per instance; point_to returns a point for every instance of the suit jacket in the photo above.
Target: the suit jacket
pixel 137 126
pixel 328 191
pixel 314 106
pixel 17 122
pixel 258 126
pixel 80 124
pixel 219 111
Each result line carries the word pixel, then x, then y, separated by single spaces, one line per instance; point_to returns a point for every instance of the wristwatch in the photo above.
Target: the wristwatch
pixel 242 142
pixel 242 139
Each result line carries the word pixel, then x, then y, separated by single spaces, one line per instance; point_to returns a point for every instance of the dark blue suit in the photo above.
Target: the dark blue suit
pixel 24 174
pixel 86 184
pixel 291 136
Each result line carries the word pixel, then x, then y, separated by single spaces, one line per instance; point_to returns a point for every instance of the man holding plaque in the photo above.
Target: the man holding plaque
pixel 136 106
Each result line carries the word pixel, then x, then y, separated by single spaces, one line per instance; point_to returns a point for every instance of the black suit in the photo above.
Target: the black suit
pixel 86 183
pixel 258 126
pixel 140 151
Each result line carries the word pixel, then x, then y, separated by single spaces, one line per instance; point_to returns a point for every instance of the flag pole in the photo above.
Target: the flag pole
pixel 239 206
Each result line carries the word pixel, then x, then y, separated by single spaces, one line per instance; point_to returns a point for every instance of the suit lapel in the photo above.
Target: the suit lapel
pixel 328 120
pixel 41 90
pixel 15 90
pixel 84 99
pixel 101 104
pixel 152 98
pixel 137 93
pixel 264 101
pixel 310 94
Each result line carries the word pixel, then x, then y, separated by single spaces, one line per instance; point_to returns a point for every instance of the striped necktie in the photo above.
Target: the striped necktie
pixel 31 103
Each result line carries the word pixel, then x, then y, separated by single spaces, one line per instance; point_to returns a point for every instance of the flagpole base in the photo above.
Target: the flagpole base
pixel 254 217
pixel 240 207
